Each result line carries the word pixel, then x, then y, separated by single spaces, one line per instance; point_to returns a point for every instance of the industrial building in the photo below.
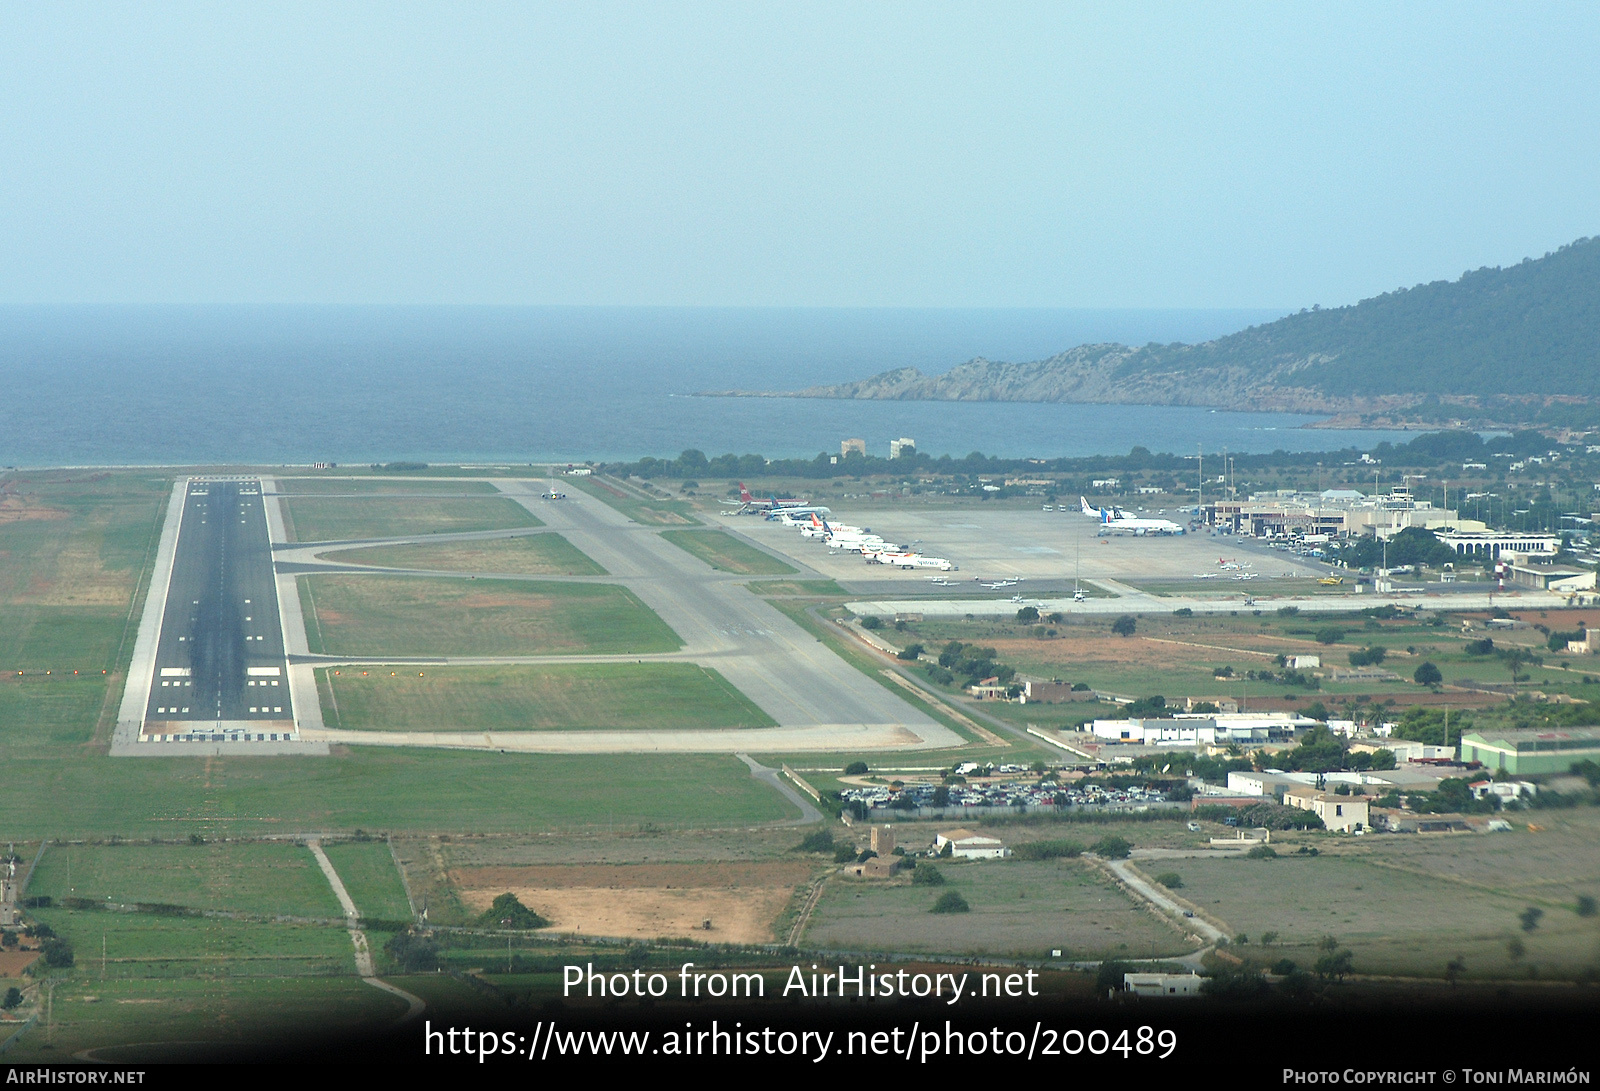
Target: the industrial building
pixel 1527 753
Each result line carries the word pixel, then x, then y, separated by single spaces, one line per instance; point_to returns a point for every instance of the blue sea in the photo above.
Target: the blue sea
pixel 294 385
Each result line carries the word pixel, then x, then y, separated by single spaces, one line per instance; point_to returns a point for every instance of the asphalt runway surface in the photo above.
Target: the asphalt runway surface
pixel 219 661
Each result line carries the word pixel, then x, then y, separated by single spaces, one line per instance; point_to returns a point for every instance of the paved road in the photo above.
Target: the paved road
pixel 1139 602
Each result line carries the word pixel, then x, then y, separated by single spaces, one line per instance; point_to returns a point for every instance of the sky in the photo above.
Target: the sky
pixel 787 154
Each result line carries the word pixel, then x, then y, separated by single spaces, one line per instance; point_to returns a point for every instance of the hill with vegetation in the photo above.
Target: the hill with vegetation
pixel 1501 343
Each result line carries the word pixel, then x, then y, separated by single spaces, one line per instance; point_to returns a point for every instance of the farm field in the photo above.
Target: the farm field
pixel 367 486
pixel 645 901
pixel 310 519
pixel 370 877
pixel 632 696
pixel 377 789
pixel 1395 920
pixel 726 553
pixel 267 878
pixel 1018 908
pixel 150 945
pixel 546 554
pixel 397 615
pixel 216 1019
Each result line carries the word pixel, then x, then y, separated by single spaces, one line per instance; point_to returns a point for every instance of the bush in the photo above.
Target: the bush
pixel 872 622
pixel 856 769
pixel 57 952
pixel 1262 852
pixel 1028 614
pixel 910 653
pixel 843 854
pixel 1171 880
pixel 1112 847
pixel 1288 611
pixel 1183 611
pixel 1047 850
pixel 507 911
pixel 1124 625
pixel 817 841
pixel 412 952
pixel 1530 918
pixel 1330 634
pixel 1284 967
pixel 927 875
pixel 951 901
pixel 13 998
pixel 1586 906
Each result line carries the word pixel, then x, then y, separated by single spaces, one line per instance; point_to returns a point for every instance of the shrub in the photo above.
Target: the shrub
pixel 817 841
pixel 1171 880
pixel 1586 906
pixel 413 953
pixel 1329 634
pixel 1427 675
pixel 1284 967
pixel 910 652
pixel 1112 847
pixel 1288 611
pixel 13 998
pixel 1530 918
pixel 1047 850
pixel 843 854
pixel 856 769
pixel 57 952
pixel 507 911
pixel 1028 614
pixel 872 622
pixel 951 901
pixel 1183 611
pixel 927 875
pixel 1263 852
pixel 1124 625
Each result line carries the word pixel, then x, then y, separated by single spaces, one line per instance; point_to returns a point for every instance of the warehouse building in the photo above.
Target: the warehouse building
pixel 1528 753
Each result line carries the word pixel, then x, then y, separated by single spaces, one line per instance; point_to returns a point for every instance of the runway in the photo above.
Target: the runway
pixel 218 672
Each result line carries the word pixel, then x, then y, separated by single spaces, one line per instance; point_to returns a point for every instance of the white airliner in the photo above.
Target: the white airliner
pixel 1114 518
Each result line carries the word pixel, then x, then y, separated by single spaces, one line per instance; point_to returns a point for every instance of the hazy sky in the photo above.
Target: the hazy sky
pixel 1193 155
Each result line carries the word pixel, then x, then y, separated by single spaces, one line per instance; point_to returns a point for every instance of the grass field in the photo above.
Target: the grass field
pixel 311 519
pixel 795 588
pixel 546 554
pixel 1396 920
pixel 726 553
pixel 370 877
pixel 377 789
pixel 72 546
pixel 367 486
pixel 628 696
pixel 42 714
pixel 145 945
pixel 269 878
pixel 660 513
pixel 1018 908
pixel 218 1019
pixel 394 615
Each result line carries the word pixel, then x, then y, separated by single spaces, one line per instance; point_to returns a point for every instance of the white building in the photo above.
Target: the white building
pixel 967 845
pixel 900 446
pixel 1153 985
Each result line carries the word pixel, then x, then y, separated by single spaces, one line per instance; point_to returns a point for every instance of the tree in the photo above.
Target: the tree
pixel 57 952
pixel 927 875
pixel 1112 847
pixel 1330 634
pixel 1269 938
pixel 816 841
pixel 941 796
pixel 1262 852
pixel 1530 918
pixel 951 901
pixel 1428 675
pixel 1171 880
pixel 1124 625
pixel 412 952
pixel 1454 969
pixel 507 911
pixel 1586 906
pixel 856 769
pixel 13 998
pixel 1109 978
pixel 1335 965
pixel 1028 614
pixel 910 652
